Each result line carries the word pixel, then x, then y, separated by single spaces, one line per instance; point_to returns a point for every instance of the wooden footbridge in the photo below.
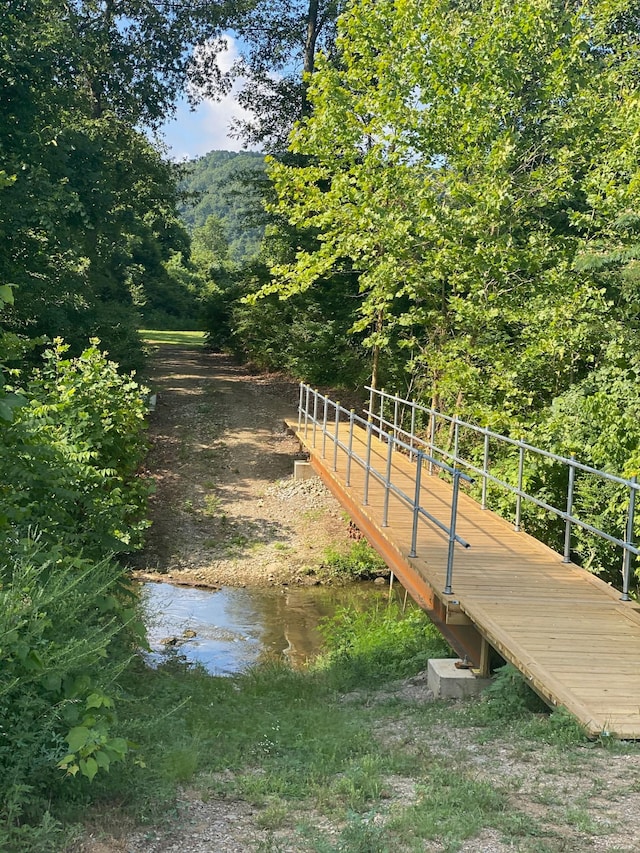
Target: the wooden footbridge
pixel 493 590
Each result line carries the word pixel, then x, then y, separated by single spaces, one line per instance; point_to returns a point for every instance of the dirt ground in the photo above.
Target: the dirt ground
pixel 226 510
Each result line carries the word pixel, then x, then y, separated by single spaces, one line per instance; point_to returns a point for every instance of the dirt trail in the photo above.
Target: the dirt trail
pixel 226 510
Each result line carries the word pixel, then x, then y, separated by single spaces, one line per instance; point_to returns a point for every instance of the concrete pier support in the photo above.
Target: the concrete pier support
pixel 302 470
pixel 446 681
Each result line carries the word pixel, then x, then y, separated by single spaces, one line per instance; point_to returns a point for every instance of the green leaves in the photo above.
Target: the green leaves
pixel 78 738
pixel 90 750
pixel 448 160
pixel 68 462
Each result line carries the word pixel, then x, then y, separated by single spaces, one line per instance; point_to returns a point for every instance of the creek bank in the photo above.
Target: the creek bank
pixel 226 511
pixel 232 628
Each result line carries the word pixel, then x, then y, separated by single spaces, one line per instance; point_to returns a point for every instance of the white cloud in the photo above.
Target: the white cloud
pixel 193 133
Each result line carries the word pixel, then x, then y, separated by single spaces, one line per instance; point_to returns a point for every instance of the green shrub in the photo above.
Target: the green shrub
pixel 86 400
pixel 379 644
pixel 361 562
pixel 509 696
pixel 68 470
pixel 70 496
pixel 65 630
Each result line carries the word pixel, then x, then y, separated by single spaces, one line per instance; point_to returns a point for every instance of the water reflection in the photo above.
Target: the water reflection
pixel 229 629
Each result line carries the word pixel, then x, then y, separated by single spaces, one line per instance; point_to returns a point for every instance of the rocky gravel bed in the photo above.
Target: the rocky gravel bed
pixel 226 510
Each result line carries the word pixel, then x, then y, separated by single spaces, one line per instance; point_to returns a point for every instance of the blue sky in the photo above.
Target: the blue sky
pixel 191 134
pixel 194 133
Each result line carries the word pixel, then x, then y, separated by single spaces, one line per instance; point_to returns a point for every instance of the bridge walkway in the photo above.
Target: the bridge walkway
pixel 567 631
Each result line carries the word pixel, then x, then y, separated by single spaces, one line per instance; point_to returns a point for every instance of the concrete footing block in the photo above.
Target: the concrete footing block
pixel 447 682
pixel 302 470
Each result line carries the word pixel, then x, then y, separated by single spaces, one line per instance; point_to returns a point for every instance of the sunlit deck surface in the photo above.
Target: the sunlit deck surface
pixel 567 631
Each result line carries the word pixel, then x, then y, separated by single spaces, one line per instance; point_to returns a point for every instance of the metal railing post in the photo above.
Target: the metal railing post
pixel 300 407
pixel 306 410
pixel 324 426
pixel 626 560
pixel 315 416
pixel 413 429
pixel 567 530
pixel 387 483
pixel 520 479
pixel 456 440
pixel 371 393
pixel 432 438
pixel 452 533
pixel 367 465
pixel 350 451
pixel 335 438
pixel 485 467
pixel 416 505
pixel 381 411
pixel 395 418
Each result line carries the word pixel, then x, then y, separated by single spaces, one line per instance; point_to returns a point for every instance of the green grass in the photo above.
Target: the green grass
pixel 361 562
pixel 319 763
pixel 159 336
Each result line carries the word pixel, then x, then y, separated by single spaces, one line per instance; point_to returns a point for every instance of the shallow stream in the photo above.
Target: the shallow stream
pixel 229 629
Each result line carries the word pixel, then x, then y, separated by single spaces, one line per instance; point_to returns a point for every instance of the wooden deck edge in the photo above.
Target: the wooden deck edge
pixel 466 639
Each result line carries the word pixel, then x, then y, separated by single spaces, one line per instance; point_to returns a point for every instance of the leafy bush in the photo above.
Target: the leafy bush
pixel 70 497
pixel 509 696
pixel 379 644
pixel 65 632
pixel 361 562
pixel 71 456
pixel 87 400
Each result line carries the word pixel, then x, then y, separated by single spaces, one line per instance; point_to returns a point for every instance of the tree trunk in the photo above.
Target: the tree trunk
pixel 310 49
pixel 312 37
pixel 375 366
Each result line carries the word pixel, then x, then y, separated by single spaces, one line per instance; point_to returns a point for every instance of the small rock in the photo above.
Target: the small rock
pixel 380 581
pixel 189 634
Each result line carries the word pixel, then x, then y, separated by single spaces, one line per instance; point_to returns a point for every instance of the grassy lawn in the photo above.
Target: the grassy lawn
pixel 160 336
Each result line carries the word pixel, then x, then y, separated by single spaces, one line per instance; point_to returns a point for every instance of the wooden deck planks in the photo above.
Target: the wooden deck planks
pixel 566 630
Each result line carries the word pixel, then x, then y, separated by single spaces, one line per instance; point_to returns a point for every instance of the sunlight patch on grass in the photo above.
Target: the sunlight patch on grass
pixel 158 336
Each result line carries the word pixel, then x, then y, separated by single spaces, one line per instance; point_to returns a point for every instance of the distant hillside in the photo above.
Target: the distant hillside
pixel 223 185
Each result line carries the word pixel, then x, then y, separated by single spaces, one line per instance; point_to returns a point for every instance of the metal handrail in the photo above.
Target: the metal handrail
pixel 308 418
pixel 379 399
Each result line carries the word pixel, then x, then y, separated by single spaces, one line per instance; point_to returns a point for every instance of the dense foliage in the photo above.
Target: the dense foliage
pixel 476 167
pixel 225 185
pixel 88 218
pixel 70 498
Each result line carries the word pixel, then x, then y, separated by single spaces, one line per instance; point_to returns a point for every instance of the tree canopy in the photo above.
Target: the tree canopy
pixel 89 206
pixel 461 159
